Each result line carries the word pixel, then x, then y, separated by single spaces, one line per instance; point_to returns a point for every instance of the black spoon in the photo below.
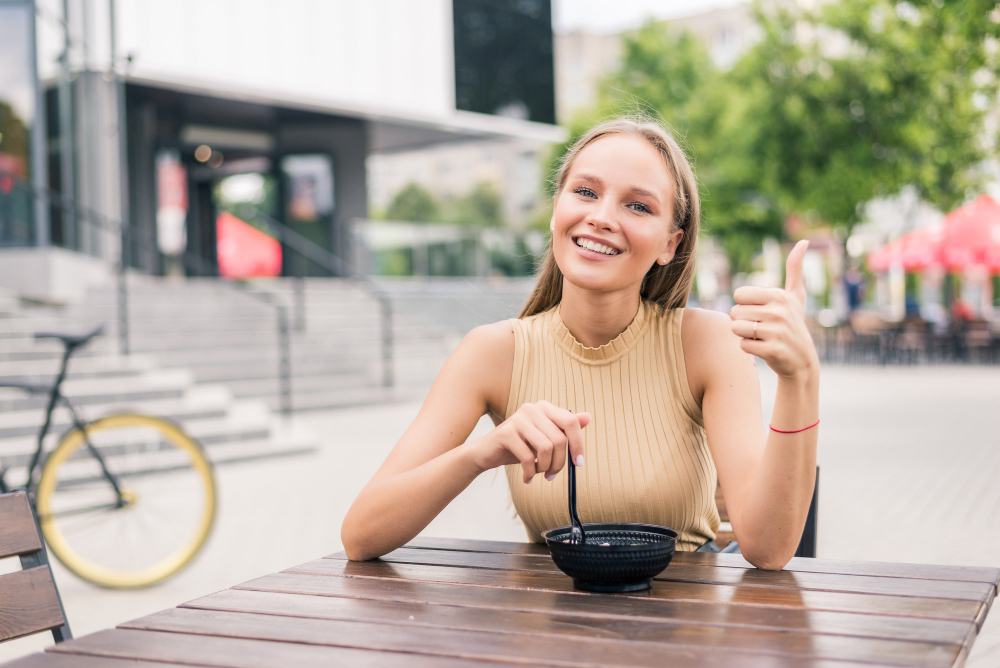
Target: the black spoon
pixel 576 534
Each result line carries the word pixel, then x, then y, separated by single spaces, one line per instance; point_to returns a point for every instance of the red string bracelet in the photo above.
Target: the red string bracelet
pixel 797 430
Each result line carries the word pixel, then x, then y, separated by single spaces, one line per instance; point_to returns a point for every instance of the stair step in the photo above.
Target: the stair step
pixel 197 403
pixel 158 384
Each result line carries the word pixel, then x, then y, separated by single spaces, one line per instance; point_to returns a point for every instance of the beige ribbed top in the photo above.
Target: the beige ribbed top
pixel 646 457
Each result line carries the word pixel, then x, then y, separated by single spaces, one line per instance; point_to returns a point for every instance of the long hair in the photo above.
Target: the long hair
pixel 666 285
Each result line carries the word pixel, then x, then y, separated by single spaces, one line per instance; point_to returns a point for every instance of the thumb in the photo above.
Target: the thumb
pixel 584 419
pixel 793 270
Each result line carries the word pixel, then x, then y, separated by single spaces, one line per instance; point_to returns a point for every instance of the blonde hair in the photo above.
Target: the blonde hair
pixel 667 285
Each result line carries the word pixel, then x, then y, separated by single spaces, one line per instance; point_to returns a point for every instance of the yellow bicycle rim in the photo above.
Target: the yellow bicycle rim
pixel 96 573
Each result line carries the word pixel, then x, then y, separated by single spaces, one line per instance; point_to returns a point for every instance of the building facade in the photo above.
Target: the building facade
pixel 137 115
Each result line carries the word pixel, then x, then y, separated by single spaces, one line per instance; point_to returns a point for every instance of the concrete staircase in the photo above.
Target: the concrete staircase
pixel 221 334
pixel 100 381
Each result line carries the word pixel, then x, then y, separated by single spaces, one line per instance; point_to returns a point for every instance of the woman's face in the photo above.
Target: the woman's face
pixel 612 220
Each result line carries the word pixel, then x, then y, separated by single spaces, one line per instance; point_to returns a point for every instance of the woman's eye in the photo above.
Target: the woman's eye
pixel 640 207
pixel 586 192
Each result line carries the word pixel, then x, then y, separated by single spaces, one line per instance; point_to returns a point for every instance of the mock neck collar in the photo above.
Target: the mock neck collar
pixel 610 351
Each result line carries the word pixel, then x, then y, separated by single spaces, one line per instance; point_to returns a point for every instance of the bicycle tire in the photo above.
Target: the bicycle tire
pixel 57 489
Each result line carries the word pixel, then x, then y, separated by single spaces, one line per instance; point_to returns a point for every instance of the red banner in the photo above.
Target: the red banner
pixel 244 251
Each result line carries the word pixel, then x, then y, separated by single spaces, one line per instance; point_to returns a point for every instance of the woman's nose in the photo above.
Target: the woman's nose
pixel 603 217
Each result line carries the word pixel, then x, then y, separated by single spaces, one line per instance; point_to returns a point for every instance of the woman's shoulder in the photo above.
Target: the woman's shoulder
pixel 709 345
pixel 489 350
pixel 695 323
pixel 485 338
pixel 703 322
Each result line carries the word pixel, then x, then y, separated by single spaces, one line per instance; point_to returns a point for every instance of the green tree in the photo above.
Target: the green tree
pixel 413 204
pixel 480 208
pixel 900 101
pixel 890 94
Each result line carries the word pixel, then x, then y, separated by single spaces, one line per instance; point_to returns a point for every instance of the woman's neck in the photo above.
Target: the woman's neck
pixel 596 318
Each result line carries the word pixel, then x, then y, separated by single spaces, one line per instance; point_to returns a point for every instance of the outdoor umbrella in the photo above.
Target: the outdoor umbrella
pixel 914 251
pixel 968 236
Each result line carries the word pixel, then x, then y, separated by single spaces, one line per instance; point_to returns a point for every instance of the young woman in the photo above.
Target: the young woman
pixel 654 401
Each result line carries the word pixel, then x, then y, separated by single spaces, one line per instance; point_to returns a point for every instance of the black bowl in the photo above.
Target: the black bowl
pixel 633 556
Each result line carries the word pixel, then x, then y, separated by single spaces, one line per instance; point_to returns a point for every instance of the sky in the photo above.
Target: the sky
pixel 608 16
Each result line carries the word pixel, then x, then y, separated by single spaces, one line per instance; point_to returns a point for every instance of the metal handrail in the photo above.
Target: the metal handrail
pixel 337 266
pixel 127 235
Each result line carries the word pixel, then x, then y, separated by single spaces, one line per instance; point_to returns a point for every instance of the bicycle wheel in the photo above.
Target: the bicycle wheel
pixel 169 501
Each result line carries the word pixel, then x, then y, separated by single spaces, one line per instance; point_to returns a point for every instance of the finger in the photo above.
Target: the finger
pixel 557 454
pixel 540 442
pixel 526 456
pixel 758 313
pixel 751 294
pixel 793 270
pixel 745 329
pixel 557 463
pixel 756 348
pixel 570 424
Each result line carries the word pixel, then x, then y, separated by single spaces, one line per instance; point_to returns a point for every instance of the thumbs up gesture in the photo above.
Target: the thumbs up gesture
pixel 771 322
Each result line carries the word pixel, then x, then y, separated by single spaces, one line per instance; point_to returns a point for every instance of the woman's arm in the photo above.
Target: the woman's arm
pixel 767 478
pixel 433 462
pixel 427 468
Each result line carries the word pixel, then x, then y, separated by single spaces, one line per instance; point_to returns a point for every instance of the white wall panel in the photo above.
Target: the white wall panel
pixel 390 55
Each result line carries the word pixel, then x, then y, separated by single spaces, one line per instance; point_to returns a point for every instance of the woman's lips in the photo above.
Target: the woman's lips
pixel 592 255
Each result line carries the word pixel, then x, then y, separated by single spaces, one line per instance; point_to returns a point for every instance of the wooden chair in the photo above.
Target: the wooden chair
pixel 807 544
pixel 29 600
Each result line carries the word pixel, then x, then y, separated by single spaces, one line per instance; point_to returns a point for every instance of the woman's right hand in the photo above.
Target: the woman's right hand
pixel 535 436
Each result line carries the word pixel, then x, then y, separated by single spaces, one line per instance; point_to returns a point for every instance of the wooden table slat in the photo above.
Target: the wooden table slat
pixel 971 591
pixel 443 642
pixel 222 652
pixel 534 632
pixel 60 660
pixel 617 607
pixel 797 565
pixel 729 594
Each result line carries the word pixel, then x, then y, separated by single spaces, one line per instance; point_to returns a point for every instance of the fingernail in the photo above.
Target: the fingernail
pixel 579 460
pixel 550 477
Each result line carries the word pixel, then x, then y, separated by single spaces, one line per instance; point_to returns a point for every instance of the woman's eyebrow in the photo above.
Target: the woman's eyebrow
pixel 645 193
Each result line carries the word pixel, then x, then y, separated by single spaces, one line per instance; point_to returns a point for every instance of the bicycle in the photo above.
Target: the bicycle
pixel 106 478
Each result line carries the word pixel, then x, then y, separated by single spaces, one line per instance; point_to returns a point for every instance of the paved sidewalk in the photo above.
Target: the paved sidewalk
pixel 910 460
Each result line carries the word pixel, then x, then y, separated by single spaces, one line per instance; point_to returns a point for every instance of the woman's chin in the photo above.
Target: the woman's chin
pixel 594 279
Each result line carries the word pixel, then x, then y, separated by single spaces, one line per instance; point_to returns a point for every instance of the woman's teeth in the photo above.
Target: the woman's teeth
pixel 594 246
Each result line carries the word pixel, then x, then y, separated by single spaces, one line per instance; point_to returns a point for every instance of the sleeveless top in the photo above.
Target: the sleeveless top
pixel 646 457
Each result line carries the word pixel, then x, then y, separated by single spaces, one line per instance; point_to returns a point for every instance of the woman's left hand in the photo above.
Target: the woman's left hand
pixel 771 322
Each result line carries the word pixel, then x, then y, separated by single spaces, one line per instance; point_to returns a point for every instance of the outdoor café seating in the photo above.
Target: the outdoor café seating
pixel 29 598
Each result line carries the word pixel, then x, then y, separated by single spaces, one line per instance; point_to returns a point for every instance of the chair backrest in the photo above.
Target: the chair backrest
pixel 807 544
pixel 29 600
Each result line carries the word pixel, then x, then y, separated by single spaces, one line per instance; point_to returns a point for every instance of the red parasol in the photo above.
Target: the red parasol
pixel 968 236
pixel 914 251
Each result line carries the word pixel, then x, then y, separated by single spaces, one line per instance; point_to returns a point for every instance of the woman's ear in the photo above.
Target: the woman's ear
pixel 673 241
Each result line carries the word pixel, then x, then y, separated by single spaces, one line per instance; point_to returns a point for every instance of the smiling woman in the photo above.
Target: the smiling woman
pixel 606 365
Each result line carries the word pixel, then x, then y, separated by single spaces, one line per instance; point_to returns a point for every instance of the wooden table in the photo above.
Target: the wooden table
pixel 450 603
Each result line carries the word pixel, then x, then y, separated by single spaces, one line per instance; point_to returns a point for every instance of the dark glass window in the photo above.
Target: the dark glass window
pixel 503 58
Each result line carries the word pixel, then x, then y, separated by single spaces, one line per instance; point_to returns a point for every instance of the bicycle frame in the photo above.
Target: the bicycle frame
pixel 55 397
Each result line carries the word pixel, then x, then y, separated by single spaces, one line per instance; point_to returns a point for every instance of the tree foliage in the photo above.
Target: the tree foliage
pixel 480 207
pixel 828 110
pixel 414 203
